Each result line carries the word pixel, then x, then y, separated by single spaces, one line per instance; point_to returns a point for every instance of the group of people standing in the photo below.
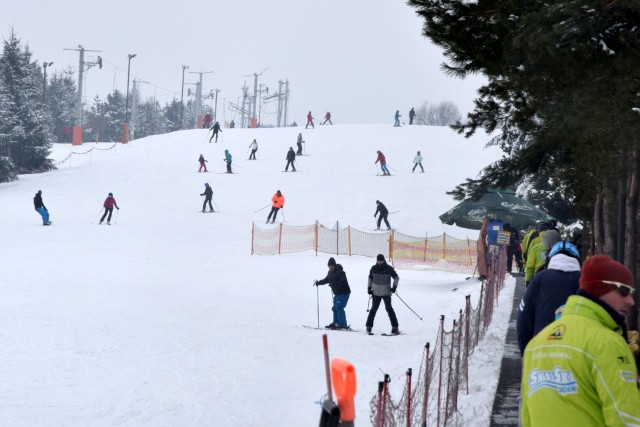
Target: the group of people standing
pixel 382 283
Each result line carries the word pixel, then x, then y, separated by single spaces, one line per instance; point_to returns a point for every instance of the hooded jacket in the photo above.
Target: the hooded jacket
pixel 579 370
pixel 547 291
pixel 380 277
pixel 337 280
pixel 37 201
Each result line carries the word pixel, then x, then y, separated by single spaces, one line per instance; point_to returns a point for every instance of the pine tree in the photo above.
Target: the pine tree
pixel 149 119
pixel 30 137
pixel 62 100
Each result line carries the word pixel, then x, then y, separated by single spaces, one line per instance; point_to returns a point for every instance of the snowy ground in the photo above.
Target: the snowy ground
pixel 165 318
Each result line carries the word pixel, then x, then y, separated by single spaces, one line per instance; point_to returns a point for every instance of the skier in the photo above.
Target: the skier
pixel 412 115
pixel 417 160
pixel 380 289
pixel 207 121
pixel 208 195
pixel 299 144
pixel 309 121
pixel 337 280
pixel 291 157
pixel 383 163
pixel 108 205
pixel 327 118
pixel 202 164
pixel 232 124
pixel 215 128
pixel 228 159
pixel 41 208
pixel 253 147
pixel 278 203
pixel 384 213
pixel 397 117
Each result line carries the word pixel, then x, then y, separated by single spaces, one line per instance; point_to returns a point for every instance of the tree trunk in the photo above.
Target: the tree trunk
pixel 609 206
pixel 598 234
pixel 631 229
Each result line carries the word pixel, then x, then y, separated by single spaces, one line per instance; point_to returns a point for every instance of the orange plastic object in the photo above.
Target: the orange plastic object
pixel 77 135
pixel 343 375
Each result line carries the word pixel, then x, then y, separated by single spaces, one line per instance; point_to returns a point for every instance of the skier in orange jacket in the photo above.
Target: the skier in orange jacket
pixel 278 203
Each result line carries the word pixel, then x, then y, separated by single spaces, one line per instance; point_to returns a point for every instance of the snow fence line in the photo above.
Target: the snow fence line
pixel 444 371
pixel 439 253
pixel 89 151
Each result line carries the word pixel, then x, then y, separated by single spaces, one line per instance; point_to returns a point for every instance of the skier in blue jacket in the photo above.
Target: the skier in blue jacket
pixel 228 159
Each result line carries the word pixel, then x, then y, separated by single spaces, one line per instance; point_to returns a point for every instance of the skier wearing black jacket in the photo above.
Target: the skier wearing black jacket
pixel 337 280
pixel 380 289
pixel 384 213
pixel 208 195
pixel 291 157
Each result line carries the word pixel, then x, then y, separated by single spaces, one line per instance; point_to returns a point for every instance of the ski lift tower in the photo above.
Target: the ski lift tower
pixel 254 119
pixel 77 128
pixel 198 106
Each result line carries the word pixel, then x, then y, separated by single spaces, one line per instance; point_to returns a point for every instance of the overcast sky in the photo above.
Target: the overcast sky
pixel 360 59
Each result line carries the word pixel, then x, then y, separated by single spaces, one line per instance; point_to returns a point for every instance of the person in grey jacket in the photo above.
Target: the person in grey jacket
pixel 380 289
pixel 417 162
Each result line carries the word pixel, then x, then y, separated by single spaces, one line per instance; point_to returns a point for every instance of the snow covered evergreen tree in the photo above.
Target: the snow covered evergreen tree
pixel 105 119
pixel 62 100
pixel 7 123
pixel 30 135
pixel 149 119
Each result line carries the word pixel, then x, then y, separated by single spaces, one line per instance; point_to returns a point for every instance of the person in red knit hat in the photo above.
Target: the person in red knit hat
pixel 579 370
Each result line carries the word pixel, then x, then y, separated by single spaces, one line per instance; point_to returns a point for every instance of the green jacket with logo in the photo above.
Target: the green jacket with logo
pixel 579 371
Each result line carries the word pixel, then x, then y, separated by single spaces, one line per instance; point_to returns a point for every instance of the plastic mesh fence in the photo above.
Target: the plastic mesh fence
pixel 441 253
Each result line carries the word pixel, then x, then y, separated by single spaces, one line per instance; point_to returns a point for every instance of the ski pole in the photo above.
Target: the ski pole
pixel 94 220
pixel 391 213
pixel 117 213
pixel 214 204
pixel 368 303
pixel 408 306
pixel 262 208
pixel 394 171
pixel 282 209
pixel 376 166
pixel 318 303
pixel 233 164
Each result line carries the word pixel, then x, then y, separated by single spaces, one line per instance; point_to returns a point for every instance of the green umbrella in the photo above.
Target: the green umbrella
pixel 496 204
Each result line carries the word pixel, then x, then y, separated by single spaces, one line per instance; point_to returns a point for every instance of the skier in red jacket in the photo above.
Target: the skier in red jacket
pixel 310 121
pixel 109 203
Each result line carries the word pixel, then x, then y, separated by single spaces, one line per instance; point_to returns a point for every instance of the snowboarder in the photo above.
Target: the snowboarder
pixel 291 157
pixel 397 117
pixel 215 128
pixel 380 289
pixel 253 147
pixel 384 213
pixel 41 208
pixel 337 280
pixel 208 195
pixel 309 121
pixel 202 164
pixel 383 163
pixel 228 159
pixel 207 121
pixel 108 205
pixel 277 203
pixel 412 115
pixel 327 118
pixel 417 160
pixel 299 144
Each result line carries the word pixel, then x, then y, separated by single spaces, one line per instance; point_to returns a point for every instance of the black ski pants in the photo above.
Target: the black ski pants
pixel 375 303
pixel 290 162
pixel 416 165
pixel 381 217
pixel 204 205
pixel 107 211
pixel 274 212
pixel 253 154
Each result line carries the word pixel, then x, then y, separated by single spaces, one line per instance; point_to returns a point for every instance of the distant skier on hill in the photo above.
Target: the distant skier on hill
pixel 277 203
pixel 384 213
pixel 202 164
pixel 253 147
pixel 206 122
pixel 327 118
pixel 299 143
pixel 232 124
pixel 412 115
pixel 108 205
pixel 397 117
pixel 291 158
pixel 309 121
pixel 417 160
pixel 215 128
pixel 383 163
pixel 41 208
pixel 228 159
pixel 208 195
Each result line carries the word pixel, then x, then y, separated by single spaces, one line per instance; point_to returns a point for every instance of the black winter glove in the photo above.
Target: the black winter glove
pixel 370 291
pixel 393 289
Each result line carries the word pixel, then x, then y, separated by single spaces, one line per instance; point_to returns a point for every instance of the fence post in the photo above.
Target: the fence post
pixel 253 228
pixel 379 412
pixel 440 369
pixel 426 239
pixel 316 237
pixel 391 239
pixel 451 376
pixel 469 249
pixel 427 381
pixel 384 400
pixel 409 397
pixel 349 237
pixel 480 307
pixel 280 241
pixel 467 314
pixel 444 246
